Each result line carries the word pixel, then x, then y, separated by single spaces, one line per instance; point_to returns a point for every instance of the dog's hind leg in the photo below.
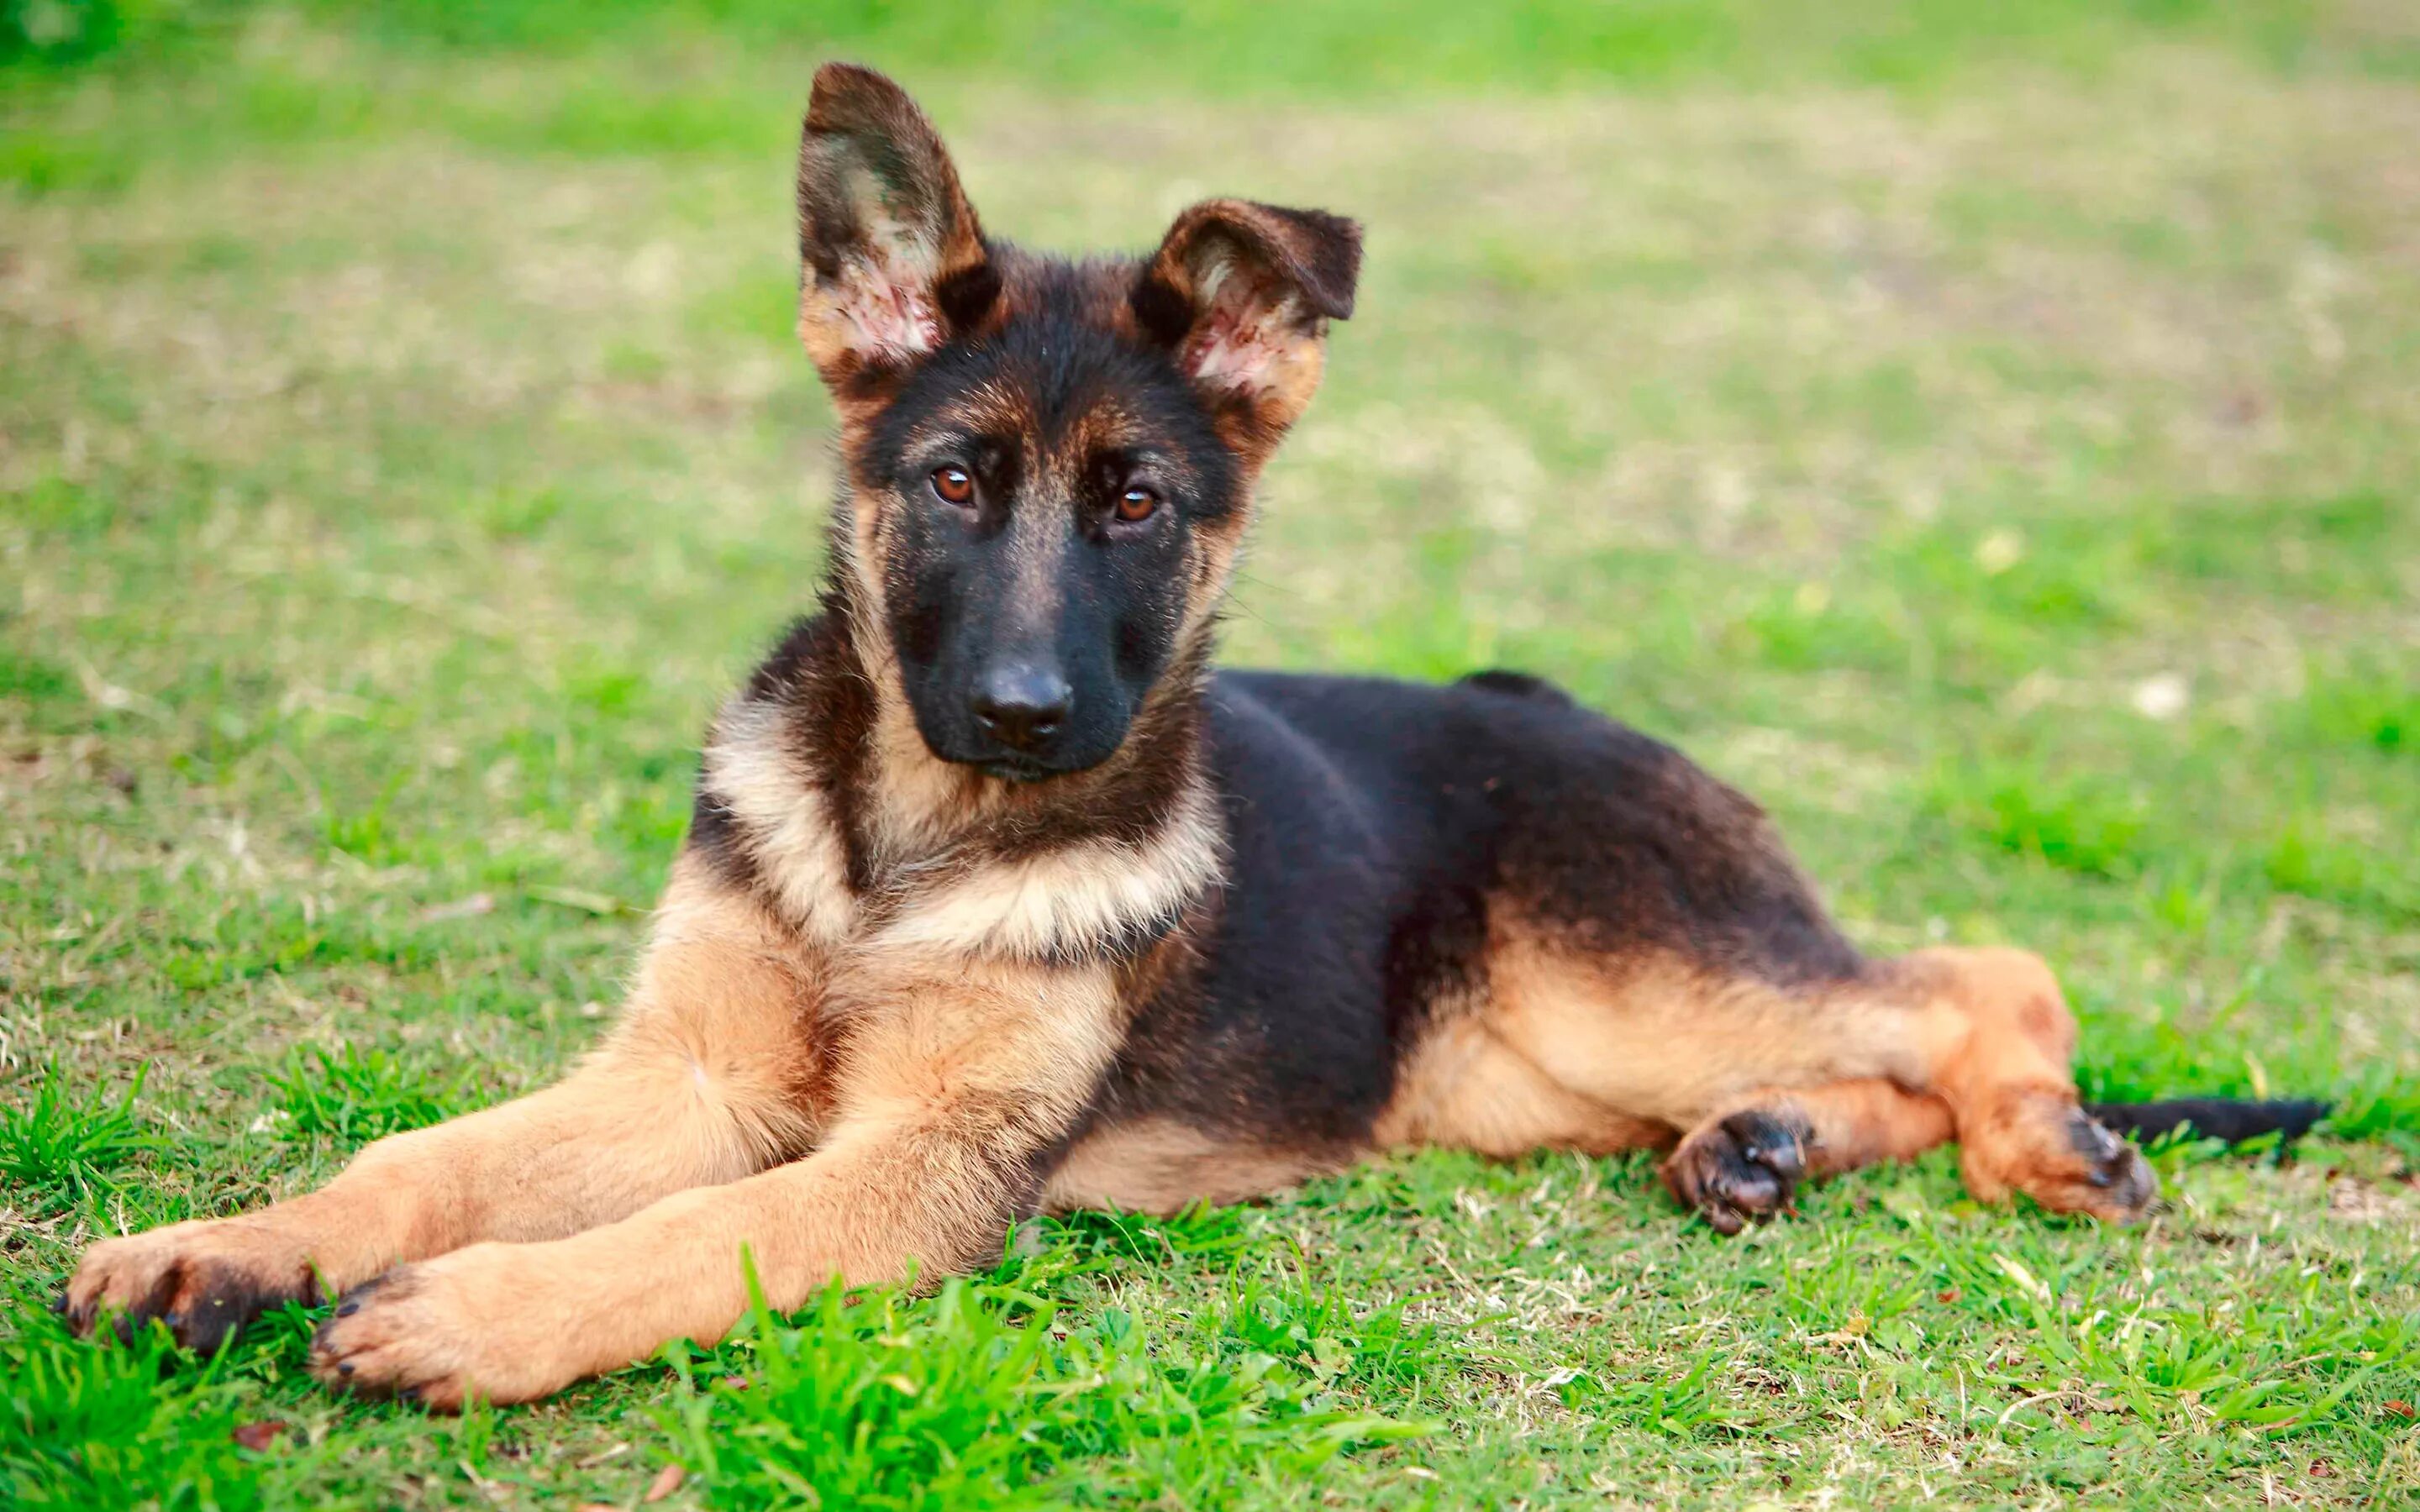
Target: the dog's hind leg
pixel 1875 1064
pixel 1996 1040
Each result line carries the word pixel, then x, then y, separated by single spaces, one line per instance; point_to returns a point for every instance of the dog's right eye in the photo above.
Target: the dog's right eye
pixel 953 485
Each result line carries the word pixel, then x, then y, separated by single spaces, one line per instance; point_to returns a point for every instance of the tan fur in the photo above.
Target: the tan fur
pixel 949 1082
pixel 1161 1165
pixel 1636 1033
pixel 1215 548
pixel 1467 1085
pixel 1998 1038
pixel 775 801
pixel 1573 1048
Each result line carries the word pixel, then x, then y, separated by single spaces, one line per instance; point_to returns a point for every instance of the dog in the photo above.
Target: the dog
pixel 996 899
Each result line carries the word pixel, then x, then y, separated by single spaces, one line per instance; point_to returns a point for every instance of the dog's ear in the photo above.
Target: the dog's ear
pixel 1242 293
pixel 891 259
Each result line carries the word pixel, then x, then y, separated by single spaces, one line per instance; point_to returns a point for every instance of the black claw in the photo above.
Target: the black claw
pixel 60 1304
pixel 408 1394
pixel 343 1367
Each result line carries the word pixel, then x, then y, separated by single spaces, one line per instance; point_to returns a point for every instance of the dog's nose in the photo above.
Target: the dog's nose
pixel 1022 707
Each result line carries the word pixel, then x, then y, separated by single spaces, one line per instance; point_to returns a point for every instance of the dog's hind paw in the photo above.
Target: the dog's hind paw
pixel 1740 1168
pixel 2045 1145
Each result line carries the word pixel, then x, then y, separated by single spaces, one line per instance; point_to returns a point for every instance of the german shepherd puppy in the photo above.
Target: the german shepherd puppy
pixel 998 900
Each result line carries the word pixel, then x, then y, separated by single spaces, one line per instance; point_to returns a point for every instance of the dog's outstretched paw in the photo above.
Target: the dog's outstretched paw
pixel 204 1280
pixel 480 1322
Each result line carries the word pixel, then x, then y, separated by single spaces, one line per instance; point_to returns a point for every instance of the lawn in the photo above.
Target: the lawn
pixel 1990 435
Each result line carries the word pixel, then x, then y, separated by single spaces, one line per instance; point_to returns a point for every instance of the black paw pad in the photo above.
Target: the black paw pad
pixel 346 1305
pixel 219 1306
pixel 1743 1169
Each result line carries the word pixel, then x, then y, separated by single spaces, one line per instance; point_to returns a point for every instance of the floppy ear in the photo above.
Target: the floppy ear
pixel 1243 294
pixel 891 261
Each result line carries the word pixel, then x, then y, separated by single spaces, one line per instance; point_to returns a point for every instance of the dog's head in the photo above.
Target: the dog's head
pixel 1049 462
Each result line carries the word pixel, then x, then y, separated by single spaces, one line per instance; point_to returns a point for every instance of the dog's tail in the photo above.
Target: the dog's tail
pixel 2211 1118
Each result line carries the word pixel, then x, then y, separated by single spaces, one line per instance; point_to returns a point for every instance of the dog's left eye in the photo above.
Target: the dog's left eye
pixel 1137 504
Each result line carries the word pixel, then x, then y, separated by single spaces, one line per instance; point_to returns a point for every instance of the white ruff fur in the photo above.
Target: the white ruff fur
pixel 1067 901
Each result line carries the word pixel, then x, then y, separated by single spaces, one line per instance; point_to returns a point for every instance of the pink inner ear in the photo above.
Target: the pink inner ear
pixel 1239 341
pixel 889 313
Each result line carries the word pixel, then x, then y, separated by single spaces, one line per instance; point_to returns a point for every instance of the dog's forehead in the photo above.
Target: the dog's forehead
pixel 1059 372
pixel 1021 404
pixel 1090 291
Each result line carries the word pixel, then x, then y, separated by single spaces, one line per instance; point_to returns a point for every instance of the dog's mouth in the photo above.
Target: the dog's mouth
pixel 1015 769
pixel 1017 766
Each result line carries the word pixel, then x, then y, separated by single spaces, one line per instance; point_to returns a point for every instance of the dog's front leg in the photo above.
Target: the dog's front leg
pixel 700 1083
pixel 955 1096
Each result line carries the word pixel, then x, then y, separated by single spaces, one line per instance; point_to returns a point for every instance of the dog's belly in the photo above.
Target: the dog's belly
pixel 1468 1085
pixel 1160 1165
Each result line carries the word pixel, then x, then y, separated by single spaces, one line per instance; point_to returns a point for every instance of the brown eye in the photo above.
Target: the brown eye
pixel 954 484
pixel 1135 505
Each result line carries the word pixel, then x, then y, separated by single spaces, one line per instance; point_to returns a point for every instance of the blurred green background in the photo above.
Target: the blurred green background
pixel 1986 433
pixel 1352 48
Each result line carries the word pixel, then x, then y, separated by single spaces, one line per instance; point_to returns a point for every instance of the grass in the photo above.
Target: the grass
pixel 1996 451
pixel 56 1142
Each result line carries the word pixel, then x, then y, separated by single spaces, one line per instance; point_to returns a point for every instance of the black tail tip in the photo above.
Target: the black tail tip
pixel 2212 1117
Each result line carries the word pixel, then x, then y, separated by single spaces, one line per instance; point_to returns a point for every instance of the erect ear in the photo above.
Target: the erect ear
pixel 891 261
pixel 1243 294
